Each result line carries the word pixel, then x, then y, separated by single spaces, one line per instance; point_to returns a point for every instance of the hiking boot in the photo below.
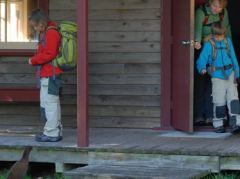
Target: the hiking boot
pixel 235 130
pixel 45 138
pixel 220 129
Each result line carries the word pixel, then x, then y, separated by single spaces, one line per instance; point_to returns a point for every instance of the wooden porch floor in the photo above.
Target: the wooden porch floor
pixel 132 140
pixel 202 150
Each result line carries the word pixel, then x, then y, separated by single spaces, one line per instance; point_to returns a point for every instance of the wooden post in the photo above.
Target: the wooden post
pixel 82 74
pixel 44 4
pixel 166 64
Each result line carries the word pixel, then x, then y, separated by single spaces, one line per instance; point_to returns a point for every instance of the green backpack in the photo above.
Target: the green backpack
pixel 67 57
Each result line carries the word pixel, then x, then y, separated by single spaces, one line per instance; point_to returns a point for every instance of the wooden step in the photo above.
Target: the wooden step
pixel 132 172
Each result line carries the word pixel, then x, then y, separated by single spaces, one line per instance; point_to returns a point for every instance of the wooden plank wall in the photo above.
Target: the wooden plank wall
pixel 124 65
pixel 15 72
pixel 125 61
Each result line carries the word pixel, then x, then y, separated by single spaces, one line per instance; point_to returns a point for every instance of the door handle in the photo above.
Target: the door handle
pixel 188 42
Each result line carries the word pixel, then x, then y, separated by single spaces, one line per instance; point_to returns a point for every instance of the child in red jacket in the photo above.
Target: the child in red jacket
pixel 50 76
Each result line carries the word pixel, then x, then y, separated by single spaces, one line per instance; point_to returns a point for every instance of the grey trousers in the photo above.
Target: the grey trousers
pixel 224 92
pixel 50 104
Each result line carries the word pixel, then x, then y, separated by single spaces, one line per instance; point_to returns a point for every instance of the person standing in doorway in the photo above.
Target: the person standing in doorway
pixel 218 59
pixel 208 13
pixel 50 76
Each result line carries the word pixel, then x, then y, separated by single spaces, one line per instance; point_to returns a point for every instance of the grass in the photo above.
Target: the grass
pixel 3 175
pixel 223 175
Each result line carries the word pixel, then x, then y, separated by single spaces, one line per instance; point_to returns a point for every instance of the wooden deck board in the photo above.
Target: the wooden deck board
pixel 114 146
pixel 127 140
pixel 110 172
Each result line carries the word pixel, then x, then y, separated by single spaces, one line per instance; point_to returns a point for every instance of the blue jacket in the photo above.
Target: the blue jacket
pixel 222 59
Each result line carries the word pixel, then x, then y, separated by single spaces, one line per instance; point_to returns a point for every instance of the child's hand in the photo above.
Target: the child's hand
pixel 30 61
pixel 197 45
pixel 204 72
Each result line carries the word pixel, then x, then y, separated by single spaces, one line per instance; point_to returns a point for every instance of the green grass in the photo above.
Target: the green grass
pixel 3 175
pixel 224 175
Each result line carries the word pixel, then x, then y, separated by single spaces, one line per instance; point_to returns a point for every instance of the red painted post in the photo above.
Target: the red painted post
pixel 82 74
pixel 166 64
pixel 44 4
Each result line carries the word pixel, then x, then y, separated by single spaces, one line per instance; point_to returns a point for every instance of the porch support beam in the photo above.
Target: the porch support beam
pixel 44 4
pixel 82 74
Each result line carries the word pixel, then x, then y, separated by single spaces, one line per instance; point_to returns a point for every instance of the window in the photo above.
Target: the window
pixel 15 31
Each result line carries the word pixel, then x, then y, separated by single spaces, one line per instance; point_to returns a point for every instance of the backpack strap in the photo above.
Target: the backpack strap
pixel 44 43
pixel 221 15
pixel 210 39
pixel 212 67
pixel 206 16
pixel 214 52
pixel 227 46
pixel 42 39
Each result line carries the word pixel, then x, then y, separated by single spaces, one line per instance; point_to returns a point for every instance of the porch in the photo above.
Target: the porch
pixel 128 148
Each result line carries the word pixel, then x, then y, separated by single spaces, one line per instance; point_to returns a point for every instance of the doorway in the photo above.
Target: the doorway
pixel 234 14
pixel 203 110
pixel 176 86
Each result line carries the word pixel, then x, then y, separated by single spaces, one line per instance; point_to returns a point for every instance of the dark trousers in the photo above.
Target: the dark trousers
pixel 203 106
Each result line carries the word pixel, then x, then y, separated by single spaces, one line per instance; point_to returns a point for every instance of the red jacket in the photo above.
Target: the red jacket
pixel 47 51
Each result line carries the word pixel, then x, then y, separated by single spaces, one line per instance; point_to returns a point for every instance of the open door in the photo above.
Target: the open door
pixel 182 64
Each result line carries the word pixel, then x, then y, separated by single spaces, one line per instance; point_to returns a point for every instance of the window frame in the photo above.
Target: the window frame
pixel 43 4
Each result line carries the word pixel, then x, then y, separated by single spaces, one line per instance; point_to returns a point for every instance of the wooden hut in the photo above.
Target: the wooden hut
pixel 135 67
pixel 135 71
pixel 123 67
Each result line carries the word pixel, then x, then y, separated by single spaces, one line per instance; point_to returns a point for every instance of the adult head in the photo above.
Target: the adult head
pixel 38 20
pixel 217 6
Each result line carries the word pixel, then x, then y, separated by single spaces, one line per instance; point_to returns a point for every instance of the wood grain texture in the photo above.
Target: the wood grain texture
pixel 124 66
